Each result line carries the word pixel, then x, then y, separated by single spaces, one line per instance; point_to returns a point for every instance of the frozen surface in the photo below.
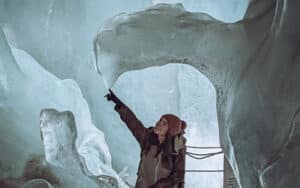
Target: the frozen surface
pixel 253 65
pixel 59 135
pixel 177 37
pixel 59 35
pixel 37 183
pixel 26 89
pixel 224 10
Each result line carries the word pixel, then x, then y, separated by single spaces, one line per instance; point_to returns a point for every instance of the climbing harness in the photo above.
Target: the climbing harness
pixel 200 156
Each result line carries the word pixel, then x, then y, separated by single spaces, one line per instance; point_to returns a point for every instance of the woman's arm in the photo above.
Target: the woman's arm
pixel 135 126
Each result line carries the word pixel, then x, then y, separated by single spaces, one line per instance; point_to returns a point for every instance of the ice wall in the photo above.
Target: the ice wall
pixel 59 35
pixel 225 10
pixel 26 89
pixel 254 66
pixel 155 41
pixel 91 159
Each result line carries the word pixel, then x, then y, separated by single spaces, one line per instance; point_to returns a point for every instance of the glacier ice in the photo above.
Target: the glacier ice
pixel 59 135
pixel 37 183
pixel 253 64
pixel 72 25
pixel 224 10
pixel 31 89
pixel 155 42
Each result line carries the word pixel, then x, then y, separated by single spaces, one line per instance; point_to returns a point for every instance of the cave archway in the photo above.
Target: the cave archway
pixel 184 91
pixel 225 53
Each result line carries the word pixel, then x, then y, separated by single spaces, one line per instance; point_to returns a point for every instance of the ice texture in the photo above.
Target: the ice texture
pixel 26 89
pixel 37 183
pixel 177 37
pixel 253 65
pixel 58 34
pixel 59 135
pixel 224 10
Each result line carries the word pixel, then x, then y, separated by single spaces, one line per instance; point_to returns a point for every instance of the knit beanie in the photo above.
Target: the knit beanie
pixel 175 124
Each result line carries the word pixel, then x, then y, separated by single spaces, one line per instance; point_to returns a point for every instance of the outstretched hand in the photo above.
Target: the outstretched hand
pixel 112 97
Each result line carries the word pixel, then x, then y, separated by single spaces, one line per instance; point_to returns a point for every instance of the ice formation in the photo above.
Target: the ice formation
pixel 26 89
pixel 59 35
pixel 254 66
pixel 225 10
pixel 59 135
pixel 37 183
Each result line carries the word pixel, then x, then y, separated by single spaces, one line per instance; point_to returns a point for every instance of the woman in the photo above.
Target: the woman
pixel 162 163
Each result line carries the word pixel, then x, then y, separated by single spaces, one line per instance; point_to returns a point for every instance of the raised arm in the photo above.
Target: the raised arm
pixel 135 126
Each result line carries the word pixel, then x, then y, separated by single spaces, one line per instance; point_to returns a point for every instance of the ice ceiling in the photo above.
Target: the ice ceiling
pixel 58 131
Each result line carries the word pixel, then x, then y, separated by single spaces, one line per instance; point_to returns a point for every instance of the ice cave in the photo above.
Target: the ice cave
pixel 229 68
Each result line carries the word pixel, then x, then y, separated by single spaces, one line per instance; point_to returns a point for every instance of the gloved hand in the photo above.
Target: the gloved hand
pixel 112 97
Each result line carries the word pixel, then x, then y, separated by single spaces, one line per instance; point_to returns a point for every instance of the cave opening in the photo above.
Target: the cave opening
pixel 184 91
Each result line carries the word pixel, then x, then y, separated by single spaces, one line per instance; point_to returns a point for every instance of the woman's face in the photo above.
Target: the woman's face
pixel 161 127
